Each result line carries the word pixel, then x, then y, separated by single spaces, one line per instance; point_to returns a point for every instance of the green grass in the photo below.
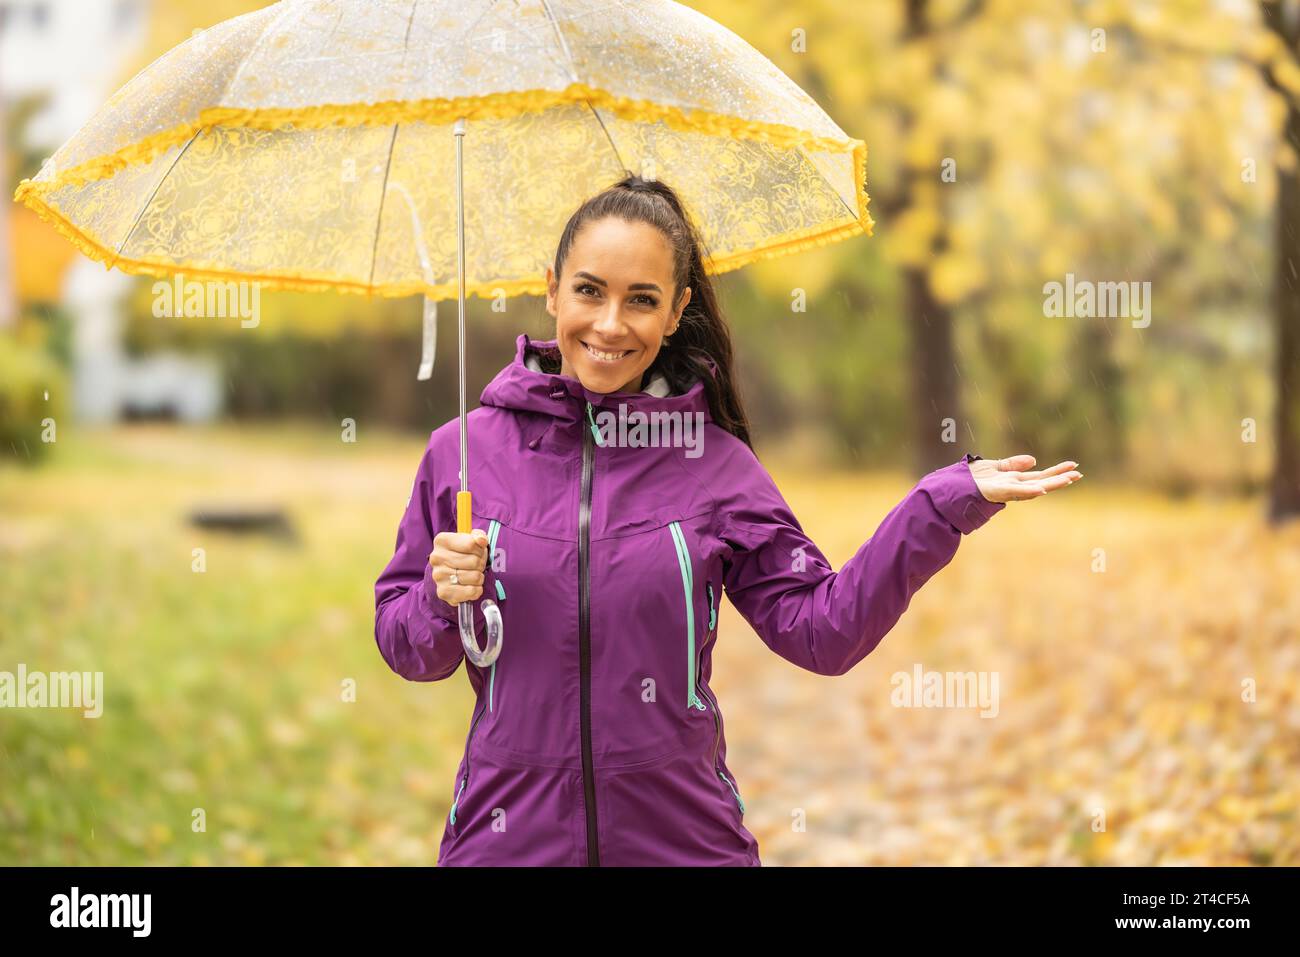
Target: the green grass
pixel 223 689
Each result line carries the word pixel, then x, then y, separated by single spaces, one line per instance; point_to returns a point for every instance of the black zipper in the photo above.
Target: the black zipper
pixel 699 686
pixel 717 717
pixel 717 741
pixel 584 644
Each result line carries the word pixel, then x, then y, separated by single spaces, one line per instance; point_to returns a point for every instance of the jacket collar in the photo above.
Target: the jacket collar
pixel 521 385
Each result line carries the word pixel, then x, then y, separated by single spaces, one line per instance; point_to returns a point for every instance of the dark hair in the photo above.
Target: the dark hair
pixel 701 346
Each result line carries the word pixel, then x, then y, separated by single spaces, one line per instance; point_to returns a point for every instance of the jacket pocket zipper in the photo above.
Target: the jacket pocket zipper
pixel 688 588
pixel 717 741
pixel 693 700
pixel 734 793
pixel 494 529
pixel 464 778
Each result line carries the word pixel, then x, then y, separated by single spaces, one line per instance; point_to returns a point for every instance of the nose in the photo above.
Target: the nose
pixel 609 324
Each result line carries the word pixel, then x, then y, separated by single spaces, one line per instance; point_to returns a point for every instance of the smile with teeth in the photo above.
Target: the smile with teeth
pixel 606 356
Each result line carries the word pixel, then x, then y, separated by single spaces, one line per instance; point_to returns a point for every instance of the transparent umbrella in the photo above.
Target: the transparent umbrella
pixel 307 145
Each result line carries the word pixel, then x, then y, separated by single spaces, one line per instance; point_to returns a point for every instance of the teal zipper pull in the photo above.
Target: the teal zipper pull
pixel 600 439
pixel 463 782
pixel 494 529
pixel 713 615
pixel 734 793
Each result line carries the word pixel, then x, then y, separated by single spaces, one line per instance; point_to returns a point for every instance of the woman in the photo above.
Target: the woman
pixel 616 499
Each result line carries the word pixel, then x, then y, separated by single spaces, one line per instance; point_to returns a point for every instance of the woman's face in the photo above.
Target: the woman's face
pixel 611 304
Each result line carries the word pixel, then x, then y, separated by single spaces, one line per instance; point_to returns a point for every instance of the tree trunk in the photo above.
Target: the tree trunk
pixel 935 395
pixel 934 368
pixel 1285 497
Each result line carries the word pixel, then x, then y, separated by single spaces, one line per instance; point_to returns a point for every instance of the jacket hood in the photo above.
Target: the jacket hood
pixel 522 386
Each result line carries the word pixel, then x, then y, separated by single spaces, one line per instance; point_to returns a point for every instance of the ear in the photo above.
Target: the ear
pixel 677 315
pixel 552 287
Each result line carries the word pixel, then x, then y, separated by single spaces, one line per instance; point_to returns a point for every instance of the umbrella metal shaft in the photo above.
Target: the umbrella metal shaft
pixel 459 131
pixel 483 657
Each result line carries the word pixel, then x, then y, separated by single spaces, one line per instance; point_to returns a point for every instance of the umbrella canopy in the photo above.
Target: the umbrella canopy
pixel 308 145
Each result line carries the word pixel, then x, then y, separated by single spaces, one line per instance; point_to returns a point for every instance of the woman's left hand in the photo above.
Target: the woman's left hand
pixel 1005 480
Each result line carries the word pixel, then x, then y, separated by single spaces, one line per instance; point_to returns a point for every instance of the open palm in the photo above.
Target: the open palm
pixel 1006 480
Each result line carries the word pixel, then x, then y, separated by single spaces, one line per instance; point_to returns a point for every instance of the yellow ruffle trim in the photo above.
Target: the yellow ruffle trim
pixel 492 106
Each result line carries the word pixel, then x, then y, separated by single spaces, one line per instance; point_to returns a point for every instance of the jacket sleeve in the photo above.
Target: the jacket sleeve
pixel 416 631
pixel 827 621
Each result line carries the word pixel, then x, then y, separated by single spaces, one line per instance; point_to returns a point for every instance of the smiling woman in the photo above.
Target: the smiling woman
pixel 636 300
pixel 620 327
pixel 611 749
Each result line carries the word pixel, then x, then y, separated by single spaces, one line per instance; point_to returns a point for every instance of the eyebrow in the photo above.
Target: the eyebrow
pixel 635 285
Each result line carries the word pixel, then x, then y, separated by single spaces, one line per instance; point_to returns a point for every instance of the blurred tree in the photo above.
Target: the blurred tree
pixel 1267 47
pixel 1014 142
pixel 1281 72
pixel 934 387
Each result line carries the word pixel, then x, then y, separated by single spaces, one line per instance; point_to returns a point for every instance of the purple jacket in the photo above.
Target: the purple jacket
pixel 595 737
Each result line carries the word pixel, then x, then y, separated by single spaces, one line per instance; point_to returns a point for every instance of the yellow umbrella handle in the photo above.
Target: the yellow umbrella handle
pixel 464 515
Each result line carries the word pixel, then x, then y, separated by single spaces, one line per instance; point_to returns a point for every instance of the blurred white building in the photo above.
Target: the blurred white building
pixel 76 52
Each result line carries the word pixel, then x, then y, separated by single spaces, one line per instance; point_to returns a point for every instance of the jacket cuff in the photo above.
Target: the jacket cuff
pixel 958 499
pixel 431 606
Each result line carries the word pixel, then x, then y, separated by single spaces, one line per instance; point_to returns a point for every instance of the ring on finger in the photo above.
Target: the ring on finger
pixel 454 580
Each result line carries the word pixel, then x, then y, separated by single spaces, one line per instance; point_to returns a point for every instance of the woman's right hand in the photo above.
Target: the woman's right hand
pixel 465 557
